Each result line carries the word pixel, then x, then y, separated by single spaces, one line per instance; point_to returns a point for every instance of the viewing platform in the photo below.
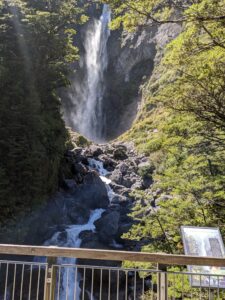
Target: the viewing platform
pixel 102 274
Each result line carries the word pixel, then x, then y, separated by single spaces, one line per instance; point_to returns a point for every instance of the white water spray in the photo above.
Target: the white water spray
pixel 98 166
pixel 89 118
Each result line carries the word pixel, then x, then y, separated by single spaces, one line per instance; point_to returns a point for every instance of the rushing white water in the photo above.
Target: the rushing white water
pixel 98 166
pixel 89 118
pixel 72 240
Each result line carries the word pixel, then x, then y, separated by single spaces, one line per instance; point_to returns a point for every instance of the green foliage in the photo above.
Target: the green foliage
pixel 189 178
pixel 182 130
pixel 35 51
pixel 131 14
pixel 146 170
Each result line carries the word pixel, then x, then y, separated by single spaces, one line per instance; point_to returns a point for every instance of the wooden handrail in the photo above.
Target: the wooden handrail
pixel 110 255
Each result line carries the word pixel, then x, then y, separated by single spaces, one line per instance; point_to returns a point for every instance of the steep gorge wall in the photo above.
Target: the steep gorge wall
pixel 131 58
pixel 130 63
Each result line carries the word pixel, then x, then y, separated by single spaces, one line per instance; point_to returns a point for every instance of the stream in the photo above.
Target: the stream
pixel 69 287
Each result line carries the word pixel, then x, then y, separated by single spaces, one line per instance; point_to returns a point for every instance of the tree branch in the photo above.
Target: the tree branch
pixel 212 37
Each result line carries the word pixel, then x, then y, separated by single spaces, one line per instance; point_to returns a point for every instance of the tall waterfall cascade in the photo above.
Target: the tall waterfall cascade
pixel 89 117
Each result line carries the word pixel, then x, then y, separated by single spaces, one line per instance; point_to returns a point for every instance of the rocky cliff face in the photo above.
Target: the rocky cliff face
pixel 131 59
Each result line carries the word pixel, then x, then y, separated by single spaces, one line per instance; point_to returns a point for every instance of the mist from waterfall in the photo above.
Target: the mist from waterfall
pixel 21 39
pixel 89 118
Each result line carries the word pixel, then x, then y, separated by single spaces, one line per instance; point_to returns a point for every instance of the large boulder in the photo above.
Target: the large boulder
pixel 90 240
pixel 108 225
pixel 120 153
pixel 108 163
pixel 92 192
pixel 95 151
pixel 120 189
pixel 123 168
pixel 117 176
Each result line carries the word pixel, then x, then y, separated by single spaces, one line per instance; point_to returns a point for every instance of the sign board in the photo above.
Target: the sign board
pixel 203 241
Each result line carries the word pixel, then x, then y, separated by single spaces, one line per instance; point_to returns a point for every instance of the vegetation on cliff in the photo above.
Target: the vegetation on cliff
pixel 182 124
pixel 35 50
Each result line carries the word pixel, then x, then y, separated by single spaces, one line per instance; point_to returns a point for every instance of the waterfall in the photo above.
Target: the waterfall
pixel 89 118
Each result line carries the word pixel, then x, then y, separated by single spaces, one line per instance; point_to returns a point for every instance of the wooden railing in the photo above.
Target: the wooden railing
pixel 54 270
pixel 110 255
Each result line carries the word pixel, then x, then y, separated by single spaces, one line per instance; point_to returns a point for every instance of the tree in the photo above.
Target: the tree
pixel 181 127
pixel 36 49
pixel 194 62
pixel 132 14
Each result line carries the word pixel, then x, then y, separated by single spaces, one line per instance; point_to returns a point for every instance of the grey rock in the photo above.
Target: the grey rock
pixel 137 185
pixel 120 189
pixel 147 182
pixel 120 153
pixel 70 185
pixel 119 199
pixel 115 207
pixel 117 176
pixel 128 181
pixel 95 151
pixel 123 168
pixel 116 199
pixel 79 168
pixel 108 163
pixel 92 192
pixel 90 240
pixel 108 225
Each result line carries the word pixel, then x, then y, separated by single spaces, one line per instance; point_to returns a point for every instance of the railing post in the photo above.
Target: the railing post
pixel 162 283
pixel 211 294
pixel 50 283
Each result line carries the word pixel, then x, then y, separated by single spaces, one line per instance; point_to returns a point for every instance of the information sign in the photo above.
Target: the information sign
pixel 203 241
